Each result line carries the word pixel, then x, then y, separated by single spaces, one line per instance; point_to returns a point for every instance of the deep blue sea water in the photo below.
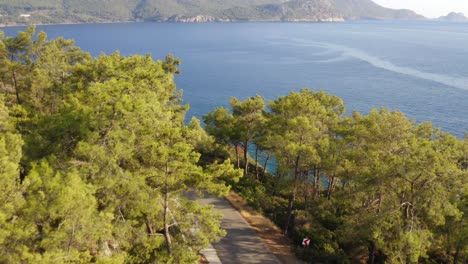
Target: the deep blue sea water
pixel 419 68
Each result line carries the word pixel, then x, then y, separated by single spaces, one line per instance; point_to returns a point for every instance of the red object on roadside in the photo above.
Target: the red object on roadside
pixel 306 242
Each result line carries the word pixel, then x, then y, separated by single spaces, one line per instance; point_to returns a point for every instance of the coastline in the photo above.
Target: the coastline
pixel 199 19
pixel 67 23
pixel 173 22
pixel 195 21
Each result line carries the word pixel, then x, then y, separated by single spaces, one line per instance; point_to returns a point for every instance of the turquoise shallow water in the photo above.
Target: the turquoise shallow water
pixel 419 68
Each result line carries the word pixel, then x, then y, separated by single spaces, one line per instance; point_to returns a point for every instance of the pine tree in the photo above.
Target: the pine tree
pixel 11 199
pixel 248 118
pixel 300 124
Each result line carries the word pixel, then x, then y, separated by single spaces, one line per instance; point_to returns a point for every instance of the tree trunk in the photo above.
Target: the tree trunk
pixel 149 228
pixel 412 193
pixel 306 186
pixel 331 182
pixel 256 162
pixel 15 83
pixel 307 193
pixel 316 183
pixel 246 160
pixel 236 149
pixel 167 235
pixel 292 197
pixel 379 204
pixel 266 163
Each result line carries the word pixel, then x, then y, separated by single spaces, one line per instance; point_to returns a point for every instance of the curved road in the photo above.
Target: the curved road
pixel 241 244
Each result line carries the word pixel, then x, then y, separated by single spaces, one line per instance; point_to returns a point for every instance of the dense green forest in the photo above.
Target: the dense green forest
pixel 350 182
pixel 82 11
pixel 96 159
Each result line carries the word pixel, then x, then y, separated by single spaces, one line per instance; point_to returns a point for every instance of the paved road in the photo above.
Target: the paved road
pixel 241 244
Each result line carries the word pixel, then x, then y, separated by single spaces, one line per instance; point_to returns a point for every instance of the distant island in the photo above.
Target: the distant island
pixel 20 12
pixel 454 17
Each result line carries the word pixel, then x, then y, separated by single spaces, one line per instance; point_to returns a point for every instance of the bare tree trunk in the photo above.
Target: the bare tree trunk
pixel 292 198
pixel 237 155
pixel 307 187
pixel 149 228
pixel 167 235
pixel 15 83
pixel 256 162
pixel 316 183
pixel 331 183
pixel 266 163
pixel 381 196
pixel 246 165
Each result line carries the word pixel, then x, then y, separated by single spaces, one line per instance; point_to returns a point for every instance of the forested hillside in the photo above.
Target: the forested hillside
pixel 96 159
pixel 350 183
pixel 72 11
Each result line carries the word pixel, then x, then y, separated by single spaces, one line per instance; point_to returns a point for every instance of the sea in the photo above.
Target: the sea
pixel 417 67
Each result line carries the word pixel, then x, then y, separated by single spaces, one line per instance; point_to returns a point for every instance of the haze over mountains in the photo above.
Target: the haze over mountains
pixel 454 17
pixel 75 11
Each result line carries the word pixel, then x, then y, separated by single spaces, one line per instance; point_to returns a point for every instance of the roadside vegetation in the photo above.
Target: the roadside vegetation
pixel 96 157
pixel 349 182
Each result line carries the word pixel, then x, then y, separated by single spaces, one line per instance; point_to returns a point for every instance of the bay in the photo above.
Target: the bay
pixel 419 68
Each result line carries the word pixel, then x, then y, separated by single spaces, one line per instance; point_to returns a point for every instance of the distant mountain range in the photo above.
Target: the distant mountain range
pixel 454 17
pixel 82 11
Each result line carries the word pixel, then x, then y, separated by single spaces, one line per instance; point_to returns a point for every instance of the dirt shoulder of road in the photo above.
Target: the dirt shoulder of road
pixel 271 235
